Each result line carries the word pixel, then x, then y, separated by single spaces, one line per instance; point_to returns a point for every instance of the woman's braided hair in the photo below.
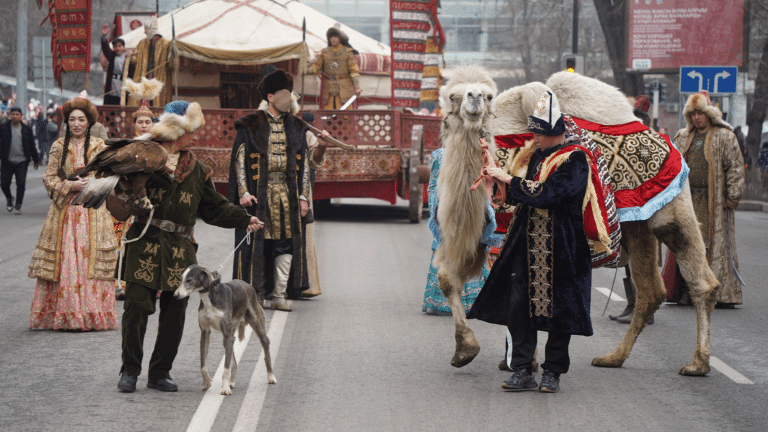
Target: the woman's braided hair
pixel 65 150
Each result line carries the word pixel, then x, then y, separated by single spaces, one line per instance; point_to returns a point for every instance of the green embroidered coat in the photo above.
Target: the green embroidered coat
pixel 158 259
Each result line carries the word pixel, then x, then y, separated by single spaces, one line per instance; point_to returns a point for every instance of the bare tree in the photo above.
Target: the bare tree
pixel 535 31
pixel 757 111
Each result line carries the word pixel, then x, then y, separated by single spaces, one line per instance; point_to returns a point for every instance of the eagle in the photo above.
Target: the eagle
pixel 125 165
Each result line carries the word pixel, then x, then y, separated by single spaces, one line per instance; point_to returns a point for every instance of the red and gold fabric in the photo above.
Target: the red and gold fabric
pixel 646 170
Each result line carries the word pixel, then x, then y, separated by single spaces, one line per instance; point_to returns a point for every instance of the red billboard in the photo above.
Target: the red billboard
pixel 663 35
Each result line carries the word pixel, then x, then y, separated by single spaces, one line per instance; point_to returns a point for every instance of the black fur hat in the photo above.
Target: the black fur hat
pixel 275 81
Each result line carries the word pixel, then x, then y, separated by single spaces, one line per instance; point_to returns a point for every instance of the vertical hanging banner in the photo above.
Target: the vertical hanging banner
pixel 71 36
pixel 409 23
pixel 432 77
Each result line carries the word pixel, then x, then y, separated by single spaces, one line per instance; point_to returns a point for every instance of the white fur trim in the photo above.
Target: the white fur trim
pixel 173 126
pixel 145 89
pixel 591 99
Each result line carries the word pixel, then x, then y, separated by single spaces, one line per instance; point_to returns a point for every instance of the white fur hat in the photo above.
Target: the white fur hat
pixel 178 118
pixel 701 102
pixel 151 26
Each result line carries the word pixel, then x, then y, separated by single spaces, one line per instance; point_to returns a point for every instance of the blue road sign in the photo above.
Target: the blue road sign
pixel 714 79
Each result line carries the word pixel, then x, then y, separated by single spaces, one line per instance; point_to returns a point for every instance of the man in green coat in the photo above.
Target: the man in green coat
pixel 180 193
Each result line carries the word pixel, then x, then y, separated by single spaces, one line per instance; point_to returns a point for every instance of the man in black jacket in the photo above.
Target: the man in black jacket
pixel 17 148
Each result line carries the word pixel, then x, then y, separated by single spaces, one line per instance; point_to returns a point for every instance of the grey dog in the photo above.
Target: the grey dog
pixel 226 307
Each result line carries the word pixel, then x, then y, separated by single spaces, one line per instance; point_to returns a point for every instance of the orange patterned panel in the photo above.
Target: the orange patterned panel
pixel 360 165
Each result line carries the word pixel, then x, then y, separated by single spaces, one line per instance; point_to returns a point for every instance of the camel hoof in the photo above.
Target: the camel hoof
pixel 694 369
pixel 464 356
pixel 607 361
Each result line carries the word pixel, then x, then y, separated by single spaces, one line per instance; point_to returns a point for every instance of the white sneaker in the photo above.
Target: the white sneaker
pixel 17 211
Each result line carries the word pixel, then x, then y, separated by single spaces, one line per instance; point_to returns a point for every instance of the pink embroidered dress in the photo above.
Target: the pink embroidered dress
pixel 76 301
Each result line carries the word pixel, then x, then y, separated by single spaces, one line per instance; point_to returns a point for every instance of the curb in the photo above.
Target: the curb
pixel 748 205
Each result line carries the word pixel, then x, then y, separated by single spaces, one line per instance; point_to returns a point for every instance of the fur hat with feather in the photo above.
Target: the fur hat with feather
pixel 178 118
pixel 701 102
pixel 81 103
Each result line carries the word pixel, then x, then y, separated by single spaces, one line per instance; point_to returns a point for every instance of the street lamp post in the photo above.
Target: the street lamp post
pixel 21 57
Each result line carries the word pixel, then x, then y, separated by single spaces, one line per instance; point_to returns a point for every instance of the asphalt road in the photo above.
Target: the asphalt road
pixel 362 356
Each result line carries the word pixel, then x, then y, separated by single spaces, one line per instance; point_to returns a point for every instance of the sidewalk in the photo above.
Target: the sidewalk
pixel 748 205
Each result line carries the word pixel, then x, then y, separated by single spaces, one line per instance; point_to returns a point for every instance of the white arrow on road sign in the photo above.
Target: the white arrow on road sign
pixel 723 74
pixel 693 74
pixel 717 80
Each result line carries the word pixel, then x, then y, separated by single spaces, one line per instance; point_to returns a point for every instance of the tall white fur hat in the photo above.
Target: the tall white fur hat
pixel 151 26
pixel 178 118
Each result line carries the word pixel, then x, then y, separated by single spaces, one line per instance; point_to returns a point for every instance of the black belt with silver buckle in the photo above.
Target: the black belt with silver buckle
pixel 172 227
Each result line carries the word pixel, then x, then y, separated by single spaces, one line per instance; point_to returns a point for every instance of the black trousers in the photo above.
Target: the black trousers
pixel 139 304
pixel 524 341
pixel 111 100
pixel 9 170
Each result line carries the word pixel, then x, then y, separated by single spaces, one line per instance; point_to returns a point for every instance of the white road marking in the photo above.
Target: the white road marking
pixel 250 410
pixel 606 292
pixel 728 371
pixel 206 412
pixel 713 361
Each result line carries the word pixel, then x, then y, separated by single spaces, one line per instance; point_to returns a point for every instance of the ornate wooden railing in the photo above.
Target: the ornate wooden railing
pixel 382 138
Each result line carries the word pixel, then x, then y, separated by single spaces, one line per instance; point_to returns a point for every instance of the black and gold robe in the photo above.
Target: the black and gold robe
pixel 545 260
pixel 253 136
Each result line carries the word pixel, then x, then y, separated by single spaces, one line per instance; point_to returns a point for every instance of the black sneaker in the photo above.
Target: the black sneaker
pixel 127 383
pixel 163 384
pixel 550 382
pixel 9 205
pixel 521 380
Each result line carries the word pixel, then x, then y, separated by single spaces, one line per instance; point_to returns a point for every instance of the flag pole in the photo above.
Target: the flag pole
pixel 303 72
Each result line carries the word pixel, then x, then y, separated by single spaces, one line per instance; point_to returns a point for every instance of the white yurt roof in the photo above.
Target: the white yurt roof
pixel 250 32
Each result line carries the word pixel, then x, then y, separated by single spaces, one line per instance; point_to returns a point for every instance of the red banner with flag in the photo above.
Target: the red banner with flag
pixel 414 30
pixel 71 36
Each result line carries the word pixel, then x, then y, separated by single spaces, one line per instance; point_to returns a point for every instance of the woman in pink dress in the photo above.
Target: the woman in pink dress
pixel 74 260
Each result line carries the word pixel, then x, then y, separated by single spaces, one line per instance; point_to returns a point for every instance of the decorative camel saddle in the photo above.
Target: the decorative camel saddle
pixel 646 170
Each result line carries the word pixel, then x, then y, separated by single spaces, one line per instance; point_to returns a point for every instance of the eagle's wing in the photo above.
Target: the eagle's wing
pixel 121 157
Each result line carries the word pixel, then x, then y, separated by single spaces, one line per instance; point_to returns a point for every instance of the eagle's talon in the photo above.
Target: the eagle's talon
pixel 143 203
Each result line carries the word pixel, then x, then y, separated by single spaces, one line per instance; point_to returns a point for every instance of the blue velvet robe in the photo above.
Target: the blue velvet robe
pixel 545 261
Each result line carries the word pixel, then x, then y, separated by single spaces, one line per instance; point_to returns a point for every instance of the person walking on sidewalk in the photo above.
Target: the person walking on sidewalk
pixel 17 149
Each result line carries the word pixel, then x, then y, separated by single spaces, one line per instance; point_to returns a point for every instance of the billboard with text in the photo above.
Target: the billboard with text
pixel 663 35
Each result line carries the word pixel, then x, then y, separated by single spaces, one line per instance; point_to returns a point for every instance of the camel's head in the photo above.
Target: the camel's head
pixel 468 95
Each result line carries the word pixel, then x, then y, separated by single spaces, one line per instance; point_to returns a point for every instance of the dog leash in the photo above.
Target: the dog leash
pixel 247 237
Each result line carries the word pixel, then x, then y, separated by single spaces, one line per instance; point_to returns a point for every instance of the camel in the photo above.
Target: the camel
pixel 674 223
pixel 461 212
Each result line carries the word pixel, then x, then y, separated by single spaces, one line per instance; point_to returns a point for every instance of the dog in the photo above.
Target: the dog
pixel 225 307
